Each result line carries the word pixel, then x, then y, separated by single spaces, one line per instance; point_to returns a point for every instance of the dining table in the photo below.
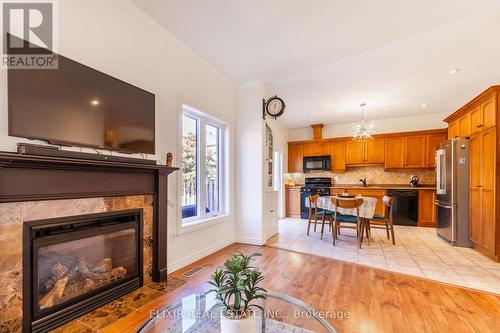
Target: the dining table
pixel 366 210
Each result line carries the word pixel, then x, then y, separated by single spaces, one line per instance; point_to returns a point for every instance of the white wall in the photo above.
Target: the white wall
pixel 257 205
pixel 250 163
pixel 388 125
pixel 114 37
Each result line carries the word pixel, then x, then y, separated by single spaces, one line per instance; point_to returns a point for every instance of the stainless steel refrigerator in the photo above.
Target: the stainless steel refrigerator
pixel 452 191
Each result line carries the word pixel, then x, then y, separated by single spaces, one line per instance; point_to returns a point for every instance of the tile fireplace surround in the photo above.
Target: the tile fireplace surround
pixel 12 216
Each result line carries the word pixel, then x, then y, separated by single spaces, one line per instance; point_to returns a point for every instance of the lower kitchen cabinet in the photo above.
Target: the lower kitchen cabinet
pixel 292 201
pixel 366 192
pixel 426 208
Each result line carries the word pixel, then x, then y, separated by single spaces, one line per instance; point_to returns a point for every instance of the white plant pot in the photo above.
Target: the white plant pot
pixel 246 325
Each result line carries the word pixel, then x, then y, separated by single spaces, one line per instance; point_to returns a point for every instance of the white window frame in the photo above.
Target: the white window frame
pixel 203 218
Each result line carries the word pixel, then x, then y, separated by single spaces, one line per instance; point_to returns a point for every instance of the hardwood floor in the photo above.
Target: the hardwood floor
pixel 378 301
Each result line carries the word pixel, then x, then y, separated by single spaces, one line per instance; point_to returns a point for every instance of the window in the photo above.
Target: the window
pixel 202 166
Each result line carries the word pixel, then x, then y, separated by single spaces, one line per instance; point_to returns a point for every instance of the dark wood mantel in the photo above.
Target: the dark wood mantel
pixel 35 178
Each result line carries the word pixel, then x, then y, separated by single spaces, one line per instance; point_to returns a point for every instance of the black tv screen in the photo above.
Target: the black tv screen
pixel 79 106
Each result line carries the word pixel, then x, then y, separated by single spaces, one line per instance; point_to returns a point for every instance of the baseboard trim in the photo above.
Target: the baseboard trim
pixel 199 255
pixel 271 233
pixel 250 241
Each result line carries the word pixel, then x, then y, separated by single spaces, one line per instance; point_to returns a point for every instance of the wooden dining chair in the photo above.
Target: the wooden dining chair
pixel 385 222
pixel 315 213
pixel 349 221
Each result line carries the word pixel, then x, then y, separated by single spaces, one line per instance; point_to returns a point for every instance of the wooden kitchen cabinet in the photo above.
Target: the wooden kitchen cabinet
pixel 355 152
pixel 488 112
pixel 411 152
pixel 367 192
pixel 488 188
pixel 295 157
pixel 373 193
pixel 395 153
pixel 292 201
pixel 407 150
pixel 366 152
pixel 476 120
pixel 427 215
pixel 464 126
pixel 414 149
pixel 338 154
pixel 483 116
pixel 453 130
pixel 482 189
pixel 375 151
pixel 432 143
pixel 475 191
pixel 484 229
pixel 317 149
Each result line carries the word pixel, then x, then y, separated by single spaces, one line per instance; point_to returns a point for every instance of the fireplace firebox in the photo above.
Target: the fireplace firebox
pixel 72 265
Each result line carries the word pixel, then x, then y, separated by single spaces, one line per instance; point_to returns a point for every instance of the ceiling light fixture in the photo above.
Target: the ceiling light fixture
pixel 424 105
pixel 362 131
pixel 454 71
pixel 94 102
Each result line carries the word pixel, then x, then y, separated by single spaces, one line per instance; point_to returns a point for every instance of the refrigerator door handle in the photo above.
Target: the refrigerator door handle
pixel 440 172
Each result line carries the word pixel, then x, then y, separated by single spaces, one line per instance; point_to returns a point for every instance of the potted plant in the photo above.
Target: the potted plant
pixel 236 286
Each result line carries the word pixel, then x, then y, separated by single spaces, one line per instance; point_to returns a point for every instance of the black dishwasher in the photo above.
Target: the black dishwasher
pixel 405 206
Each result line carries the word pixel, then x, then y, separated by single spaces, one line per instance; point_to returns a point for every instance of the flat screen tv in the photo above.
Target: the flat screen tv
pixel 76 105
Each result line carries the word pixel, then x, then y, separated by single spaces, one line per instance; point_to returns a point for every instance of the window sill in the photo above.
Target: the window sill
pixel 202 223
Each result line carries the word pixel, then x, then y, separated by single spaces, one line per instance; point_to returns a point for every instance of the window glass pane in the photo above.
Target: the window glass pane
pixel 189 167
pixel 212 169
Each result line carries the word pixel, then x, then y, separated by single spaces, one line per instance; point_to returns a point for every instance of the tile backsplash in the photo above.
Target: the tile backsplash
pixel 374 175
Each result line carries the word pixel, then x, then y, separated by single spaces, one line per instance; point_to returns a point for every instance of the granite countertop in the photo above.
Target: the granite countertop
pixel 386 186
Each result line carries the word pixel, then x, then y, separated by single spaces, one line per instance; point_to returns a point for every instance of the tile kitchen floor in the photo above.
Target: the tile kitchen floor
pixel 418 251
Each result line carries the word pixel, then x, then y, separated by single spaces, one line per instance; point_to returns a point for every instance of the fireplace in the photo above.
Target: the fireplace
pixel 75 264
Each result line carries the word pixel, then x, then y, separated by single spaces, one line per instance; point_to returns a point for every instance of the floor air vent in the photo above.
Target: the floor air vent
pixel 193 271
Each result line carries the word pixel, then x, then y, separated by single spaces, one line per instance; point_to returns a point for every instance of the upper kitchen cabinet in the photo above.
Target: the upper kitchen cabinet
pixel 317 149
pixel 338 153
pixel 355 152
pixel 483 116
pixel 453 130
pixel 488 111
pixel 406 150
pixel 433 142
pixel 366 152
pixel 464 126
pixel 395 153
pixel 375 151
pixel 295 157
pixel 415 152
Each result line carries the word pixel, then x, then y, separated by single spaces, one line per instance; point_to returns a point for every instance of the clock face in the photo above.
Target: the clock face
pixel 275 107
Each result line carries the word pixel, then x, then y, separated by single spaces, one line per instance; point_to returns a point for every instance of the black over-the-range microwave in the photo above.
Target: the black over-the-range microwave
pixel 317 163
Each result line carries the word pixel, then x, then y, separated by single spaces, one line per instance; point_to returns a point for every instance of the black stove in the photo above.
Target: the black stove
pixel 312 186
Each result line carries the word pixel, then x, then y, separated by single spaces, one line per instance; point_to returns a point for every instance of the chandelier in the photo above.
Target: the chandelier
pixel 362 131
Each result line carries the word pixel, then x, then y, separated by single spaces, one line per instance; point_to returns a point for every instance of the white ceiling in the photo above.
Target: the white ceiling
pixel 325 57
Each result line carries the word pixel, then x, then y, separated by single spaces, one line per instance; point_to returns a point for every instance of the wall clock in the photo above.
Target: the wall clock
pixel 273 107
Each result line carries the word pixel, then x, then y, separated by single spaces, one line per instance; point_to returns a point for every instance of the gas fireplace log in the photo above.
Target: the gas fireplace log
pixel 51 298
pixel 58 271
pixel 104 265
